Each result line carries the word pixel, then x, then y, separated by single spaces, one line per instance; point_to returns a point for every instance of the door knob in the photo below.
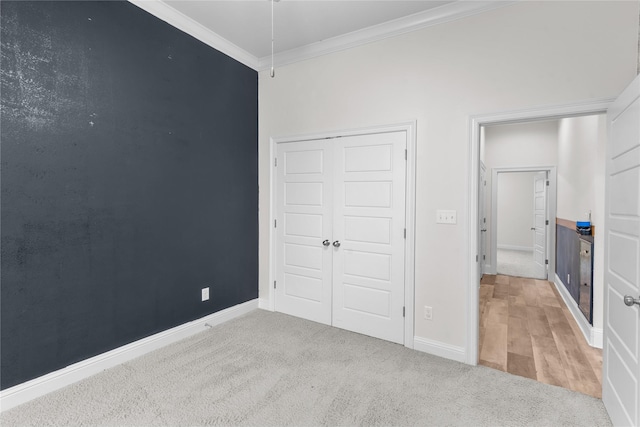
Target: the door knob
pixel 336 244
pixel 533 229
pixel 326 242
pixel 483 230
pixel 629 300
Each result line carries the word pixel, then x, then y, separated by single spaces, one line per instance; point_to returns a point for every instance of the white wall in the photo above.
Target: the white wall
pixel 516 145
pixel 581 176
pixel 515 210
pixel 527 54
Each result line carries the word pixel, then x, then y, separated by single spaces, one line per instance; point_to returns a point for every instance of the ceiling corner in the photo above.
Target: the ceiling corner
pixel 417 21
pixel 166 13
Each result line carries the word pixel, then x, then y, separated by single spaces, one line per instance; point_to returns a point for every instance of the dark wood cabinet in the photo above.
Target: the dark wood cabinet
pixel 575 270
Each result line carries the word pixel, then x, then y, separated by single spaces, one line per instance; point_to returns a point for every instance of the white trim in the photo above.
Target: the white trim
pixel 440 349
pixel 488 268
pixel 410 215
pixel 591 334
pixel 516 248
pixel 597 337
pixel 595 106
pixel 272 233
pixel 396 27
pixel 263 304
pixel 410 223
pixel 417 21
pixel 40 386
pixel 186 24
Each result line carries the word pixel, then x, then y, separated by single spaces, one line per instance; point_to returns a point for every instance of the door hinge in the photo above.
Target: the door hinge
pixel 275 223
pixel 274 284
pixel 484 220
pixel 546 222
pixel 275 162
pixel 405 233
pixel 546 262
pixel 484 257
pixel 405 154
pixel 403 312
pixel 547 183
pixel 476 258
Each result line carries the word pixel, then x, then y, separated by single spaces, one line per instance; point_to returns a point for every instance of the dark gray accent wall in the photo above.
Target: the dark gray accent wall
pixel 128 181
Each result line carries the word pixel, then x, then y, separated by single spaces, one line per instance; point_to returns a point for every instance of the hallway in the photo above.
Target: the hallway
pixel 526 329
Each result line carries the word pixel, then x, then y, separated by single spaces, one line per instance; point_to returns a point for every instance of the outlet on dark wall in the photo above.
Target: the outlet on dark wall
pixel 129 181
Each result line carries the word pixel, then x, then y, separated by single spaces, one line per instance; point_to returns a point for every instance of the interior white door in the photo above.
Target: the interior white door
pixel 304 185
pixel 368 234
pixel 540 224
pixel 482 221
pixel 621 369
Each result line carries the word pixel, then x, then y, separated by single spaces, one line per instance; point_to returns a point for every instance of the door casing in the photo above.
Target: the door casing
pixel 482 214
pixel 268 301
pixel 596 106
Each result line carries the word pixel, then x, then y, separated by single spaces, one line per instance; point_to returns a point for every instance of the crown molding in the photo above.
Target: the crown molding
pixel 416 21
pixel 182 22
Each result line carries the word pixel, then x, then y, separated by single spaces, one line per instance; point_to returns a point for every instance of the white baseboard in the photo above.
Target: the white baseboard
pixel 597 337
pixel 440 349
pixel 488 269
pixel 40 386
pixel 263 303
pixel 591 334
pixel 516 248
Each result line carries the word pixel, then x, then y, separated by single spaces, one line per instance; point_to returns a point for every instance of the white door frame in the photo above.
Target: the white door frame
pixel 410 217
pixel 482 214
pixel 598 106
pixel 551 214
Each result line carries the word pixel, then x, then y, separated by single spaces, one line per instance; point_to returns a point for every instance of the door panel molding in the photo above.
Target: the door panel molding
pixel 268 301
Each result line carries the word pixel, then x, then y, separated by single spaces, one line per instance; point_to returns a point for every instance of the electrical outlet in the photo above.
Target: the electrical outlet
pixel 205 294
pixel 568 279
pixel 446 217
pixel 428 312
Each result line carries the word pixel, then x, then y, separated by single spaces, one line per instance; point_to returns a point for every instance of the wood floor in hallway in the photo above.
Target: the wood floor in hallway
pixel 526 329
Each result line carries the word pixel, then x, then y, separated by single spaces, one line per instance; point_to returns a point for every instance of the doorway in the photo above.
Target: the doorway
pixel 528 307
pixel 522 231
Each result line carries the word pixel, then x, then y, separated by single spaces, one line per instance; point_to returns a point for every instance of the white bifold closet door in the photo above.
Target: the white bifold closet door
pixel 340 232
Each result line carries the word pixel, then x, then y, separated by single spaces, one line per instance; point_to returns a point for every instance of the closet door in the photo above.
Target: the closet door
pixel 304 221
pixel 368 231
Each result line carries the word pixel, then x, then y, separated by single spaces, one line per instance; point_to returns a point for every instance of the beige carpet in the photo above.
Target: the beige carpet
pixel 272 369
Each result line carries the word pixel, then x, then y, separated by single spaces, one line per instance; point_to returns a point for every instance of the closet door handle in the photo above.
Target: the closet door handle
pixel 629 300
pixel 326 242
pixel 336 244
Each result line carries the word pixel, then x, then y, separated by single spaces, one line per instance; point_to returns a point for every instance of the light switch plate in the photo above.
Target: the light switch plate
pixel 446 217
pixel 205 294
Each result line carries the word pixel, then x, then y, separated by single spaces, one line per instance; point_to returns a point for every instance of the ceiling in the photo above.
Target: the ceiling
pixel 247 24
pixel 304 29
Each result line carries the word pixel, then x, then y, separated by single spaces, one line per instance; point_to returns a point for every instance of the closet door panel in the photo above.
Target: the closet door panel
pixel 304 181
pixel 368 223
